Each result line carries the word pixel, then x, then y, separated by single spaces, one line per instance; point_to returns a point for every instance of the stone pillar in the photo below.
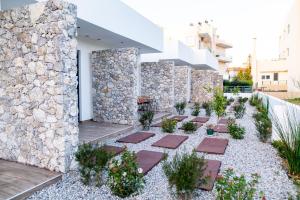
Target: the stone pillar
pixel 181 84
pixel 115 77
pixel 38 85
pixel 158 82
pixel 203 83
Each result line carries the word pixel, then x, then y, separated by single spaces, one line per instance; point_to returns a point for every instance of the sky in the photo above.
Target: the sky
pixel 237 21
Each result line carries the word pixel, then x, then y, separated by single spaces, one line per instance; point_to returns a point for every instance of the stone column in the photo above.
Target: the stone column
pixel 203 83
pixel 38 85
pixel 115 77
pixel 181 84
pixel 158 82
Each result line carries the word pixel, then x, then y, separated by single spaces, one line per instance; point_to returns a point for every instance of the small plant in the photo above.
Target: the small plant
pixel 146 119
pixel 92 160
pixel 263 126
pixel 169 125
pixel 219 103
pixel 196 110
pixel 208 108
pixel 180 107
pixel 279 145
pixel 185 172
pixel 230 186
pixel 255 100
pixel 210 129
pixel 236 131
pixel 125 178
pixel 239 110
pixel 189 127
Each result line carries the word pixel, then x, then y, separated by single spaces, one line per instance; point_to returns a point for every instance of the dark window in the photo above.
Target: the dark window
pixel 275 76
pixel 267 76
pixel 263 77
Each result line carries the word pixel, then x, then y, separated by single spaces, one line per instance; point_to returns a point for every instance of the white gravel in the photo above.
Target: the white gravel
pixel 245 156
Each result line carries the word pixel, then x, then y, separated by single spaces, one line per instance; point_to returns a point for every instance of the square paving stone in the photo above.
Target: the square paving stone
pixel 148 159
pixel 197 123
pixel 201 119
pixel 221 128
pixel 136 137
pixel 212 146
pixel 170 141
pixel 223 121
pixel 113 149
pixel 179 118
pixel 211 172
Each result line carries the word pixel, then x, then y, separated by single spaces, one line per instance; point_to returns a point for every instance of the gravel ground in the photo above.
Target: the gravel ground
pixel 245 156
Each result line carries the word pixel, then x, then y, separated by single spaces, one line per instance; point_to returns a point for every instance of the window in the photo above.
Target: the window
pixel 267 76
pixel 275 76
pixel 288 28
pixel 263 77
pixel 287 51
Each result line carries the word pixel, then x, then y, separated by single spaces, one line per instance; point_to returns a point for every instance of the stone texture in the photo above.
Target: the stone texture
pixel 157 80
pixel 203 82
pixel 115 73
pixel 182 84
pixel 38 85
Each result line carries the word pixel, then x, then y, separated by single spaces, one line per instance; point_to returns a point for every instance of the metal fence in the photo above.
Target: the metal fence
pixel 239 89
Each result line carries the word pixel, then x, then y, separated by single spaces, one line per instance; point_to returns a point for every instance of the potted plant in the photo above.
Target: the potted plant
pixel 210 129
pixel 146 120
pixel 180 107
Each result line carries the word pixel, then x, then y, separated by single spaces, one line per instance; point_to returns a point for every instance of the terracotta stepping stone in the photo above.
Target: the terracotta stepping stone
pixel 197 123
pixel 157 124
pixel 223 121
pixel 212 170
pixel 221 128
pixel 201 119
pixel 113 149
pixel 213 146
pixel 148 159
pixel 179 118
pixel 170 141
pixel 136 137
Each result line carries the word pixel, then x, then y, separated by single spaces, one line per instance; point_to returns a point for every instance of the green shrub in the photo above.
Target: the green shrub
pixel 288 129
pixel 125 178
pixel 263 126
pixel 239 110
pixel 208 108
pixel 219 103
pixel 232 187
pixel 185 172
pixel 146 119
pixel 196 109
pixel 236 131
pixel 169 125
pixel 189 127
pixel 255 100
pixel 242 99
pixel 237 83
pixel 180 107
pixel 92 160
pixel 279 145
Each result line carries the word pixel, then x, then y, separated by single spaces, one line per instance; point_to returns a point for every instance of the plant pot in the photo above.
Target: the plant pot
pixel 210 131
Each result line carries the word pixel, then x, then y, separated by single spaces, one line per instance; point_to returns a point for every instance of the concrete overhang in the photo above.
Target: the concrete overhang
pixel 112 22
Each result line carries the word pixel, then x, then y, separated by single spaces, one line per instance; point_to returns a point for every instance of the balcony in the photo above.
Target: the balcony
pixel 223 58
pixel 223 44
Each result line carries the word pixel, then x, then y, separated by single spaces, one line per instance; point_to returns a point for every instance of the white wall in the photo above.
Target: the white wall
pixel 86 46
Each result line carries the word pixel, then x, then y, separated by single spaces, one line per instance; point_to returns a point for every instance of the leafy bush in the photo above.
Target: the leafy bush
pixel 208 108
pixel 92 160
pixel 189 127
pixel 125 178
pixel 232 187
pixel 196 110
pixel 279 145
pixel 236 131
pixel 288 129
pixel 169 125
pixel 255 100
pixel 263 126
pixel 239 110
pixel 180 107
pixel 146 119
pixel 242 99
pixel 237 83
pixel 186 173
pixel 219 103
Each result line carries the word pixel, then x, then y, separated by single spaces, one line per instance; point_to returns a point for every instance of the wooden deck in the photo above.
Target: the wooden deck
pixel 18 181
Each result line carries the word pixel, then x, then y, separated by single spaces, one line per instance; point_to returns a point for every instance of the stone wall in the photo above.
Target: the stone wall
pixel 38 85
pixel 115 73
pixel 181 84
pixel 203 83
pixel 157 80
